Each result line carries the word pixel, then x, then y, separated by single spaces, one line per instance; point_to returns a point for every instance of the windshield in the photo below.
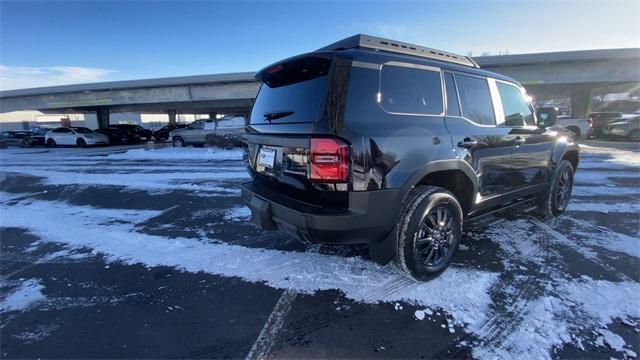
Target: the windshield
pixel 291 92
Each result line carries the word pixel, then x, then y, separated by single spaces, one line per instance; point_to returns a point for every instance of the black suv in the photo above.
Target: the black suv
pixel 395 145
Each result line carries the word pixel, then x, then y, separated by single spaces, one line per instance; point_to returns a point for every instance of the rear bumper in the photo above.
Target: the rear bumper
pixel 370 217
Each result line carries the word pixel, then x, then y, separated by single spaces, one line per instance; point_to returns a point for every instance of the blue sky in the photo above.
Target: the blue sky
pixel 50 43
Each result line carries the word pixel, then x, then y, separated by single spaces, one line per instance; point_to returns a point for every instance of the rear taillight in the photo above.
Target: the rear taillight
pixel 590 122
pixel 328 160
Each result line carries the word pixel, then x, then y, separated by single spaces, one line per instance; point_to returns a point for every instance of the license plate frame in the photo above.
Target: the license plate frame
pixel 267 157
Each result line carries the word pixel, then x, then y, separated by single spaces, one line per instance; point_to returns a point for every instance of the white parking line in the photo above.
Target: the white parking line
pixel 267 336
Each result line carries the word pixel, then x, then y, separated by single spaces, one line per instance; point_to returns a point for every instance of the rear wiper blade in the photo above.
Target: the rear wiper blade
pixel 273 115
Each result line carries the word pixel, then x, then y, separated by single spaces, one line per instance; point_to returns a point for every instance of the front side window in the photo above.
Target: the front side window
pixel 517 111
pixel 197 125
pixel 475 99
pixel 409 90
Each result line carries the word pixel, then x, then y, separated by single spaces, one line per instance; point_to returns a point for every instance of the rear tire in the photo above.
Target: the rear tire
pixel 430 230
pixel 554 201
pixel 51 143
pixel 178 142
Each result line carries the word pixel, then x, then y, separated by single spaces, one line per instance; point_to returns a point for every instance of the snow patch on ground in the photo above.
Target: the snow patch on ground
pixel 534 338
pixel 105 230
pixel 175 153
pixel 24 296
pixel 605 190
pixel 598 178
pixel 592 154
pixel 603 207
pixel 39 333
pixel 514 237
pixel 238 214
pixel 585 233
pixel 192 181
pixel 604 301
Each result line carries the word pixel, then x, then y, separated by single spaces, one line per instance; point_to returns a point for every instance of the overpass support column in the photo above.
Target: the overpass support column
pixel 172 117
pixel 212 115
pixel 580 100
pixel 102 115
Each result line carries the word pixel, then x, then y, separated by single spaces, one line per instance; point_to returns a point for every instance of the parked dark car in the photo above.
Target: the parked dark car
pixel 143 133
pixel 375 141
pixel 118 136
pixel 163 133
pixel 37 134
pixel 16 138
pixel 601 119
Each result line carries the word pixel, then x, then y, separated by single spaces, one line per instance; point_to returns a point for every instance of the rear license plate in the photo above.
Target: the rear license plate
pixel 267 157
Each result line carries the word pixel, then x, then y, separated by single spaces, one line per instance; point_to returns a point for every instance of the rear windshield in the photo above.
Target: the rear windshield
pixel 291 92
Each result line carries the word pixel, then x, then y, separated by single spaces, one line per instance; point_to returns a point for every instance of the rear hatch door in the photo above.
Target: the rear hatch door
pixel 285 115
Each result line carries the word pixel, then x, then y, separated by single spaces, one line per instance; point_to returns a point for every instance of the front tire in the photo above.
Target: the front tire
pixel 178 142
pixel 81 143
pixel 430 231
pixel 554 201
pixel 634 135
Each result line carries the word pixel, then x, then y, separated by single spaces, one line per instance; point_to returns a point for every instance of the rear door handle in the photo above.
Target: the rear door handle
pixel 467 143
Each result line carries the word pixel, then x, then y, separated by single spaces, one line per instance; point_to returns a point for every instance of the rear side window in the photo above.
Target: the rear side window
pixel 475 99
pixel 291 92
pixel 410 90
pixel 515 107
pixel 453 107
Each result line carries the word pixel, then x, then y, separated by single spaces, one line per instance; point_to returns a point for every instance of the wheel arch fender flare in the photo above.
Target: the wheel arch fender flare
pixel 561 149
pixel 436 166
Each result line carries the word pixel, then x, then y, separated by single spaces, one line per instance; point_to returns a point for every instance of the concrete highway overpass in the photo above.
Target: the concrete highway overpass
pixel 202 94
pixel 573 72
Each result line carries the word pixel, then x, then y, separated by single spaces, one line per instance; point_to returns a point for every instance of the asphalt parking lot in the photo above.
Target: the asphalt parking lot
pixel 108 253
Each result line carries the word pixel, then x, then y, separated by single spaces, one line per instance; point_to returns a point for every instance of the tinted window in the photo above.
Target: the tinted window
pixel 475 99
pixel 516 109
pixel 453 107
pixel 61 130
pixel 410 90
pixel 291 92
pixel 196 125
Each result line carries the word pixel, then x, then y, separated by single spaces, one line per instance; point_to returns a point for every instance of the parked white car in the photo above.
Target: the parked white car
pixel 78 136
pixel 580 127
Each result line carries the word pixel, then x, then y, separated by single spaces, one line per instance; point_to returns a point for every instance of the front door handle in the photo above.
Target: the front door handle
pixel 519 140
pixel 467 143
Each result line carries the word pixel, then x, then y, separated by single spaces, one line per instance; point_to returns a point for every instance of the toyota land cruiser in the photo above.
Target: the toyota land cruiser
pixel 375 141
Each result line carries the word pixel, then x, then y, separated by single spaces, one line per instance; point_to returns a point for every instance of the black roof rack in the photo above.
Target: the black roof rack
pixel 376 43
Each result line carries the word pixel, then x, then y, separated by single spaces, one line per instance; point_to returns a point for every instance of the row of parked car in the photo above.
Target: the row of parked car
pixel 223 133
pixel 614 124
pixel 76 136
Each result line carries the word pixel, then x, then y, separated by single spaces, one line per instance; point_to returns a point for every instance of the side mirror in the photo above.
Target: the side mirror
pixel 547 116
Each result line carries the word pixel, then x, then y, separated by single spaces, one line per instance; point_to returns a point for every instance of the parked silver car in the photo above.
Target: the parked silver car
pixel 200 130
pixel 627 127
